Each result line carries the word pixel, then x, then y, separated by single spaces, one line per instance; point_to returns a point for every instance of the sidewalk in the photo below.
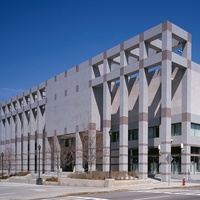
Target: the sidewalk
pixel 157 184
pixel 19 191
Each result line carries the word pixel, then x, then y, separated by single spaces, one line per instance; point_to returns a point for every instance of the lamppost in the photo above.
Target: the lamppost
pixel 2 155
pixel 110 134
pixel 39 180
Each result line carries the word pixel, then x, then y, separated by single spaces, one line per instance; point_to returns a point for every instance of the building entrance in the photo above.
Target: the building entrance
pixel 176 162
pixel 133 160
pixel 153 165
pixel 153 161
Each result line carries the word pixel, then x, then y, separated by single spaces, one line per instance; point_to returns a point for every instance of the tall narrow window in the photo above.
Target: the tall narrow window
pixel 115 136
pixel 133 134
pixel 195 129
pixel 176 129
pixel 153 132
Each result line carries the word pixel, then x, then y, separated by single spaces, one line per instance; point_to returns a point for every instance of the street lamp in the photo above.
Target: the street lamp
pixel 2 155
pixel 39 180
pixel 110 134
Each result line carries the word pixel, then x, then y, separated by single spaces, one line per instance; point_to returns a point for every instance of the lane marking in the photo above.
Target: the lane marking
pixel 153 197
pixel 4 194
pixel 87 198
pixel 176 192
pixel 192 194
pixel 39 190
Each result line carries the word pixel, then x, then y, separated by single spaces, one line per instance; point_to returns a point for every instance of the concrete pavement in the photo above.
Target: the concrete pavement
pixel 16 191
pixel 157 184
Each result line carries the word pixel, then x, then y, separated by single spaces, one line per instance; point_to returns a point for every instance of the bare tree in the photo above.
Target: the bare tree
pixel 92 148
pixel 68 152
pixel 9 159
pixel 63 152
pixel 59 154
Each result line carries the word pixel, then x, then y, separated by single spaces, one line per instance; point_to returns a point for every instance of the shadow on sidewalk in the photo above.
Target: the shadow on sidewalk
pixel 154 177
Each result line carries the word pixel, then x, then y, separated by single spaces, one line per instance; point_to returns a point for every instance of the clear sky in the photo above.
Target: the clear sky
pixel 42 38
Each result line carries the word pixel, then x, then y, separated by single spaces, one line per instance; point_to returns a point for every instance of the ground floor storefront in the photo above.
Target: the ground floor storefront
pixel 176 164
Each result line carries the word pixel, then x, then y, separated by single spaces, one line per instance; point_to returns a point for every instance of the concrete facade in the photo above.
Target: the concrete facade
pixel 145 90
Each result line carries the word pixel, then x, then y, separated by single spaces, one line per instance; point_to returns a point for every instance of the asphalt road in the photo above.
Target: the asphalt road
pixel 11 191
pixel 15 191
pixel 172 194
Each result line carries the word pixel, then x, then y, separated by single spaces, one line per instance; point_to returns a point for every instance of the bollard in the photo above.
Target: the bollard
pixel 183 181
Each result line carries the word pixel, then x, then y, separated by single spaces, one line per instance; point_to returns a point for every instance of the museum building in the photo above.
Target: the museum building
pixel 142 96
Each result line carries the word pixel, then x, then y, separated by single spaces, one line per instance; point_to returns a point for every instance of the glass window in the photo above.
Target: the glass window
pixel 9 107
pixel 27 98
pixel 4 110
pixel 153 132
pixel 34 95
pixel 176 129
pixel 156 131
pixel 195 129
pixel 115 137
pixel 194 164
pixel 43 93
pixel 69 142
pixel 195 150
pixel 21 103
pixel 133 134
pixel 150 132
pixel 195 160
pixel 15 105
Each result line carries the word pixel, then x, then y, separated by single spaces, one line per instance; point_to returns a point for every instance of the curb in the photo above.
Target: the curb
pixel 122 190
pixel 171 187
pixel 97 192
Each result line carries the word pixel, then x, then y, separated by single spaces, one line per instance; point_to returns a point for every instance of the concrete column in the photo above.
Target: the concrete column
pixel 187 48
pixel 33 151
pixel 21 142
pixel 106 118
pixel 56 151
pixel 12 134
pixel 143 124
pixel 143 113
pixel 47 160
pixel 186 159
pixel 123 141
pixel 19 132
pixel 123 127
pixel 186 110
pixel 2 138
pixel 25 142
pixel 165 128
pixel 7 133
pixel 8 145
pixel 79 152
pixel 92 147
pixel 44 141
pixel 40 127
pixel 13 142
pixel 2 142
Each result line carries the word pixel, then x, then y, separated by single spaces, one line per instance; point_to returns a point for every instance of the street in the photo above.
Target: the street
pixel 175 194
pixel 18 191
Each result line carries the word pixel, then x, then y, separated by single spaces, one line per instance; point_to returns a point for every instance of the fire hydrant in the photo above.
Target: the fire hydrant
pixel 183 182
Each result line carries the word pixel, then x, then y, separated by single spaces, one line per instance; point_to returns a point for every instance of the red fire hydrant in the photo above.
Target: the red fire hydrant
pixel 183 182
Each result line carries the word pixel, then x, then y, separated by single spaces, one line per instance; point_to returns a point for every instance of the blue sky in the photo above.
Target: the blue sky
pixel 42 38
